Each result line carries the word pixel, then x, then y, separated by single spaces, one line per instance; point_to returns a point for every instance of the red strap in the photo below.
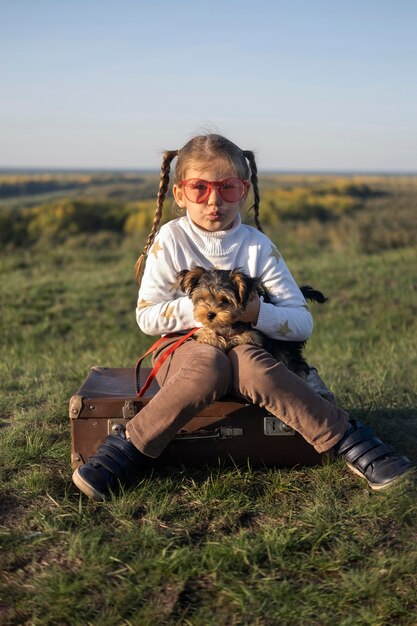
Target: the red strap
pixel 140 392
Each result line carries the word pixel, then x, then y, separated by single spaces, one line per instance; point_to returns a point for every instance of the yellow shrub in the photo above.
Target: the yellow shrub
pixel 141 216
pixel 66 217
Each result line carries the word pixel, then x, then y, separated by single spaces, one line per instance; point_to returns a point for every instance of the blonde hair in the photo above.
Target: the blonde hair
pixel 201 149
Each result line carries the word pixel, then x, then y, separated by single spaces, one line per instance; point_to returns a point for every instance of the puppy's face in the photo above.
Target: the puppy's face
pixel 218 296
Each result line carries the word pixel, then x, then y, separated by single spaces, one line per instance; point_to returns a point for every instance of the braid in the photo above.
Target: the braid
pixel 168 156
pixel 254 180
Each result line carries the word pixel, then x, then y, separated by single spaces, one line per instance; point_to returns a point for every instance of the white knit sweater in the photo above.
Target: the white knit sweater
pixel 180 244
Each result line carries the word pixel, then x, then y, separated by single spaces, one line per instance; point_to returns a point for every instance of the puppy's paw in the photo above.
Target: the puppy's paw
pixel 205 335
pixel 251 337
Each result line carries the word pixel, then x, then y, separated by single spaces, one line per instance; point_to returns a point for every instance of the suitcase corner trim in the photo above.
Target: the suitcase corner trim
pixel 75 406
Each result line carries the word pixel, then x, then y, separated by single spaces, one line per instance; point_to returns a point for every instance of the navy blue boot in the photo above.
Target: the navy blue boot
pixel 369 457
pixel 115 462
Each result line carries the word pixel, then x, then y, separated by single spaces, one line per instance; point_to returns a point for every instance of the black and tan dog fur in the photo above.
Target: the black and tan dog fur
pixel 220 296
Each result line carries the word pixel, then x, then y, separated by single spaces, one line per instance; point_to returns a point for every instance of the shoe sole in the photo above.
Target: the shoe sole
pixel 375 487
pixel 86 488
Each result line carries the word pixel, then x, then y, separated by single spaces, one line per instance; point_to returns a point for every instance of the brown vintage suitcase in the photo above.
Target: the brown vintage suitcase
pixel 230 431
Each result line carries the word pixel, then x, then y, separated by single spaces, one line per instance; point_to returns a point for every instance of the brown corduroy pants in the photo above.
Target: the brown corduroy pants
pixel 196 375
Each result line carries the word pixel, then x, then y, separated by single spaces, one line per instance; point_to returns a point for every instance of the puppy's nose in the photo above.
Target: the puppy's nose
pixel 211 315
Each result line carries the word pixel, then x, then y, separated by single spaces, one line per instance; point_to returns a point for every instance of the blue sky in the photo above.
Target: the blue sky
pixel 308 85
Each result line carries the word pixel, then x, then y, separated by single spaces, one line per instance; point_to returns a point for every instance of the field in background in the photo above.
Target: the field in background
pixel 301 547
pixel 355 214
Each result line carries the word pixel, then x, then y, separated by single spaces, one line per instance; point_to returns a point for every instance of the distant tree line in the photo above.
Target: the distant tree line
pixel 335 213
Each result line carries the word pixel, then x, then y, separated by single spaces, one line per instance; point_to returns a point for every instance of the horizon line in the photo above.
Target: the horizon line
pixel 262 171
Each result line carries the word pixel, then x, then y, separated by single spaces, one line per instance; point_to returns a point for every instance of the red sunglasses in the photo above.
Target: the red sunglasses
pixel 198 190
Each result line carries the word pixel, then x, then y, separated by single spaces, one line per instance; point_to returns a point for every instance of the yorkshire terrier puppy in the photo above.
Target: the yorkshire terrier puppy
pixel 220 296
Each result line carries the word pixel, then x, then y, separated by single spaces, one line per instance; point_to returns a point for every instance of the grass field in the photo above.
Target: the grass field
pixel 239 546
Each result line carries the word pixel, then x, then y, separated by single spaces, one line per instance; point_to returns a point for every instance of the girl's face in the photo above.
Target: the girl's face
pixel 214 213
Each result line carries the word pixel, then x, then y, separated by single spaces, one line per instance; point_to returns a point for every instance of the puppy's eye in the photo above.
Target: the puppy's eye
pixel 224 301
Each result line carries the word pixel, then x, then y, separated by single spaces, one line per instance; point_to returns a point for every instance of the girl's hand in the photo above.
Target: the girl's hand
pixel 251 313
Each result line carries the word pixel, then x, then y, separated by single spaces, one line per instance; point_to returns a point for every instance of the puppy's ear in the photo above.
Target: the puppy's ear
pixel 188 279
pixel 245 285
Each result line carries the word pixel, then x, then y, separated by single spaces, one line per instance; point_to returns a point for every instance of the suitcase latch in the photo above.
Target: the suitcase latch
pixel 275 427
pixel 129 410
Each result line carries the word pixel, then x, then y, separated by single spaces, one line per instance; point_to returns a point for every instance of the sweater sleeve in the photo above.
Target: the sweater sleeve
pixel 286 316
pixel 161 308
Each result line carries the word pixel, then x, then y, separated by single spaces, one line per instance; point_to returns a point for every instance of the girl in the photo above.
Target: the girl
pixel 211 183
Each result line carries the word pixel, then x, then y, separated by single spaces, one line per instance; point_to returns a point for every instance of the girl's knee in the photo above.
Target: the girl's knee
pixel 213 368
pixel 250 364
pixel 243 358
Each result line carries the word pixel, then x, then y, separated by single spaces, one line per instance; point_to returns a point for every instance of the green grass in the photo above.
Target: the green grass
pixel 301 547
